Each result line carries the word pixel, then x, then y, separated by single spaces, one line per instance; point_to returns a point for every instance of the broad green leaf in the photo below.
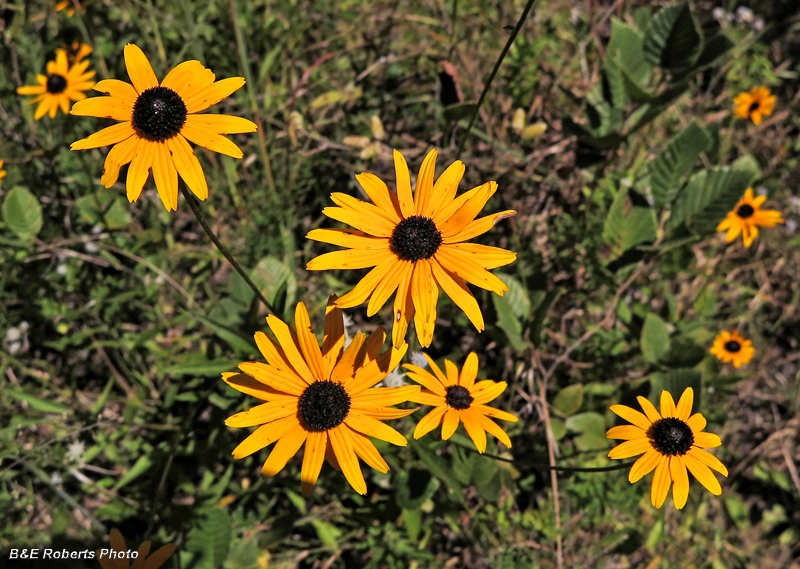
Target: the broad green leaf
pixel 684 353
pixel 412 519
pixel 22 213
pixel 626 226
pixel 244 554
pixel 512 309
pixel 673 40
pixel 592 429
pixel 654 341
pixel 625 49
pixel 271 275
pixel 708 197
pixel 714 47
pixel 675 161
pixel 328 533
pixel 569 399
pixel 675 382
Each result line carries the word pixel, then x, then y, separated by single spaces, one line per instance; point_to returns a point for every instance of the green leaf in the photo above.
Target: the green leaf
pixel 271 275
pixel 675 382
pixel 625 49
pixel 198 364
pixel 654 341
pixel 415 486
pixel 437 466
pixel 512 308
pixel 708 197
pixel 592 429
pixel 35 402
pixel 675 161
pixel 139 467
pixel 236 340
pixel 673 40
pixel 541 313
pixel 211 539
pixel 626 226
pixel 104 205
pixel 684 353
pixel 22 213
pixel 569 399
pixel 412 519
pixel 328 533
pixel 244 554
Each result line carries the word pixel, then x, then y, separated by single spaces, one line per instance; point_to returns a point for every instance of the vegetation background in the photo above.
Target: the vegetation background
pixel 116 319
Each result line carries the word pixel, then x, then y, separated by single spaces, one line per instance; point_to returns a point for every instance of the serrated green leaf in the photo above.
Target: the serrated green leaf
pixel 22 213
pixel 625 48
pixel 626 226
pixel 654 341
pixel 673 40
pixel 708 197
pixel 569 399
pixel 675 161
pixel 211 538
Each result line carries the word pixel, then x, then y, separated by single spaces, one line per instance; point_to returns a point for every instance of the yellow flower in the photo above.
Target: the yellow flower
pixel 78 51
pixel 416 245
pixel 116 557
pixel 158 123
pixel 2 172
pixel 69 6
pixel 732 347
pixel 323 398
pixel 756 104
pixel 747 217
pixel 62 85
pixel 456 398
pixel 672 442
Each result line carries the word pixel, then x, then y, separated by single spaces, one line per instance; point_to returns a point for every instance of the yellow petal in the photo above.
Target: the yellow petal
pixel 381 196
pixel 632 416
pixel 264 436
pixel 424 186
pixel 680 481
pixel 644 465
pixel 661 481
pixel 667 404
pixel 697 423
pixel 474 429
pixel 404 196
pixel 649 409
pixel 366 285
pixel 483 255
pixel 264 413
pixel 449 423
pixel 207 138
pixel 224 124
pixel 350 238
pixel 630 448
pixel 165 176
pixel 368 426
pixel 103 107
pixel 364 448
pixel 626 432
pixel 290 345
pixel 378 226
pixel 109 135
pixel 493 429
pixel 445 188
pixel 139 69
pixel 308 342
pixel 388 285
pixel 703 474
pixel 342 443
pixel 708 459
pixel 188 78
pixel 469 372
pixel 454 287
pixel 213 94
pixel 284 449
pixel 684 408
pixel 479 226
pixel 425 379
pixel 313 457
pixel 707 440
pixel 188 166
pixel 139 169
pixel 452 221
pixel 429 422
pixel 469 270
pixel 118 89
pixel 350 259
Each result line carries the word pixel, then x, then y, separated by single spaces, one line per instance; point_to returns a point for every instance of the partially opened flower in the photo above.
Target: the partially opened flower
pixel 2 172
pixel 747 217
pixel 78 51
pixel 756 104
pixel 158 122
pixel 117 557
pixel 323 398
pixel 62 85
pixel 672 442
pixel 732 347
pixel 416 244
pixel 71 5
pixel 457 398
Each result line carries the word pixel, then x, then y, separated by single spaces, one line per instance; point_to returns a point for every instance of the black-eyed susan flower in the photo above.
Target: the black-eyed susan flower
pixel 323 398
pixel 457 398
pixel 672 442
pixel 756 104
pixel 118 557
pixel 747 217
pixel 2 172
pixel 415 244
pixel 62 85
pixel 732 347
pixel 158 122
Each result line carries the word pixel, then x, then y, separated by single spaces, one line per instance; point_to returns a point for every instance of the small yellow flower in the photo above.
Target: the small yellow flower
pixel 116 557
pixel 456 398
pixel 78 51
pixel 62 85
pixel 2 172
pixel 732 347
pixel 70 5
pixel 672 442
pixel 747 217
pixel 756 104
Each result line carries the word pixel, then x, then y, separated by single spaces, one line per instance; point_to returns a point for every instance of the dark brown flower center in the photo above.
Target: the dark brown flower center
pixel 745 211
pixel 324 405
pixel 159 113
pixel 458 397
pixel 754 106
pixel 415 238
pixel 56 83
pixel 732 346
pixel 671 436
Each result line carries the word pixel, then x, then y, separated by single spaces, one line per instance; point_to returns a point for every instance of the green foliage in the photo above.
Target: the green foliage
pixel 22 213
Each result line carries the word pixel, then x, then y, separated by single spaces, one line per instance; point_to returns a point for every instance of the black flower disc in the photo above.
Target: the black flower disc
pixel 159 114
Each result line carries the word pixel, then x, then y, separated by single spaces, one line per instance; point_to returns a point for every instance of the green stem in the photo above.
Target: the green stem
pixel 497 64
pixel 211 235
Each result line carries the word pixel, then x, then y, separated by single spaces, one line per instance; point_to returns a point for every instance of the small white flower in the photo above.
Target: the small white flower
pixel 744 14
pixel 718 13
pixel 62 269
pixel 762 191
pixel 418 359
pixel 91 248
pixel 75 451
pixel 758 24
pixel 394 379
pixel 791 225
pixel 56 479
